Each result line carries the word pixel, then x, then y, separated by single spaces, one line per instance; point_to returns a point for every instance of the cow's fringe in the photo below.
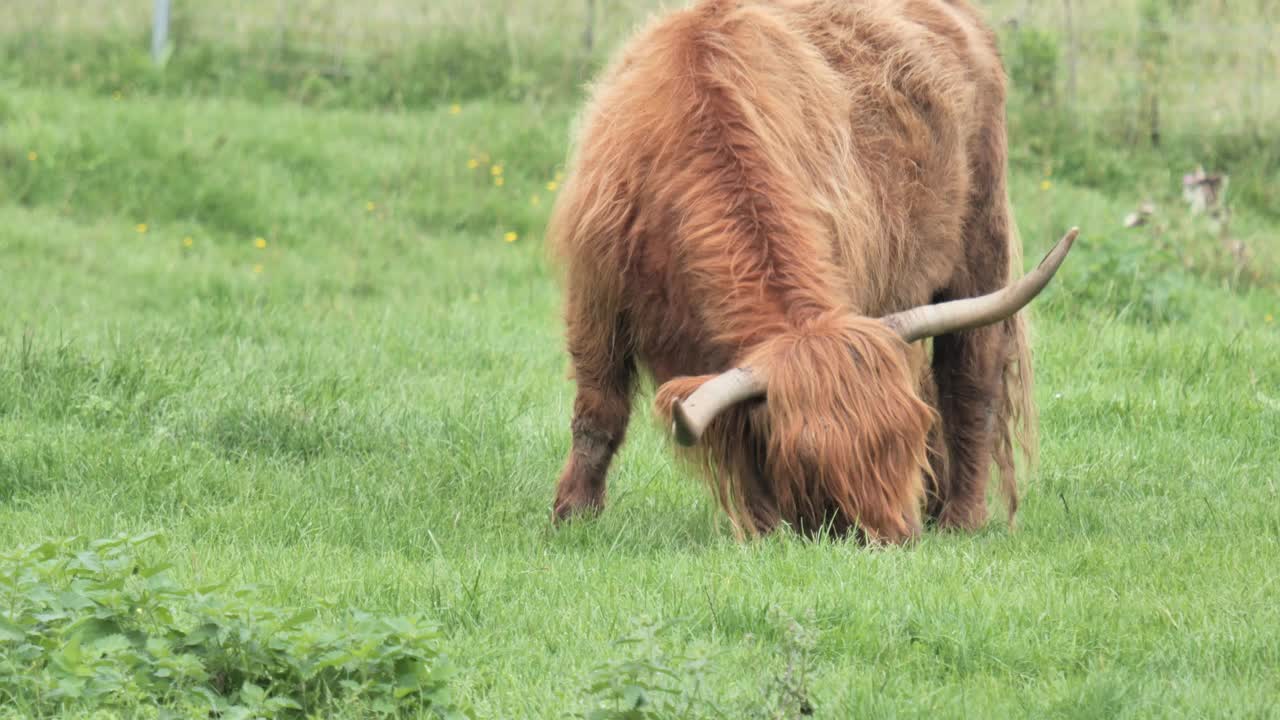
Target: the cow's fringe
pixel 839 443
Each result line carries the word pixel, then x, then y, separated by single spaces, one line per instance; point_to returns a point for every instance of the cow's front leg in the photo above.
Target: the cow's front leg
pixel 605 373
pixel 968 375
pixel 599 426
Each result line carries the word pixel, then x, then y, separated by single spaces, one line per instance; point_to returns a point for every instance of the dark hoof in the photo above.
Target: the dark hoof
pixel 574 508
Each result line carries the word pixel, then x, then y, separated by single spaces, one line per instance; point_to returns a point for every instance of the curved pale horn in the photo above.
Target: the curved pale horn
pixel 692 415
pixel 932 320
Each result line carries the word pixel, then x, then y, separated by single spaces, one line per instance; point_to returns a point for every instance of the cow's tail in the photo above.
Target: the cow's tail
pixel 1016 421
pixel 838 442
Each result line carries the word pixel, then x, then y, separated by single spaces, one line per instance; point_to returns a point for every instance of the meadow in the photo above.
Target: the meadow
pixel 301 324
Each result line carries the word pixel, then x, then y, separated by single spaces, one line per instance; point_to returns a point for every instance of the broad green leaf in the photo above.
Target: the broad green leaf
pixel 110 644
pixel 72 600
pixel 153 570
pixel 201 635
pixel 45 550
pixel 10 632
pixel 89 561
pixel 302 617
pixel 252 694
pixel 282 702
pixel 92 629
pixel 145 537
pixel 109 543
pixel 53 616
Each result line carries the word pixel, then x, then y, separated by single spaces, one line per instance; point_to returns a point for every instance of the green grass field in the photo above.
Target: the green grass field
pixel 319 349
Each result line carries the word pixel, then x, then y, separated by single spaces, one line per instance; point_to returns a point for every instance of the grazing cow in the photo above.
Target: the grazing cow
pixel 769 202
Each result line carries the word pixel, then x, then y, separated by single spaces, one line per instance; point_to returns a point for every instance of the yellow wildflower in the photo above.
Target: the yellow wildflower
pixel 454 109
pixel 499 181
pixel 257 269
pixel 1269 319
pixel 370 206
pixel 32 155
pixel 496 170
pixel 260 243
pixel 510 237
pixel 473 163
pixel 187 241
pixel 551 186
pixel 535 200
pixel 1045 184
pixel 141 228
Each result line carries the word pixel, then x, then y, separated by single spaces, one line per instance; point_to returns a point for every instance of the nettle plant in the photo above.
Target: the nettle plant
pixel 89 625
pixel 651 681
pixel 655 679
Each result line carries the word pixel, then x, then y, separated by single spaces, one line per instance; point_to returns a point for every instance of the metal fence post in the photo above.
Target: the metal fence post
pixel 1073 51
pixel 159 30
pixel 589 32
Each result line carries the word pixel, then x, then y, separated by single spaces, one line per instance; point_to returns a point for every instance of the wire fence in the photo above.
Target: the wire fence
pixel 1217 65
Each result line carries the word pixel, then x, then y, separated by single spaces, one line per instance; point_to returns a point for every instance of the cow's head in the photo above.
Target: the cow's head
pixel 843 429
pixel 692 415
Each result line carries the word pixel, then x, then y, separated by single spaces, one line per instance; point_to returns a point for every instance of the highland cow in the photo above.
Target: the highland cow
pixel 768 204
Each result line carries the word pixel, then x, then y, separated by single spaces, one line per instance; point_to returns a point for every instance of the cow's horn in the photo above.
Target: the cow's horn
pixel 692 415
pixel 932 320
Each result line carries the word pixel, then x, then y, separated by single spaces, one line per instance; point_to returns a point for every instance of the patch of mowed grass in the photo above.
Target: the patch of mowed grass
pixel 177 168
pixel 369 409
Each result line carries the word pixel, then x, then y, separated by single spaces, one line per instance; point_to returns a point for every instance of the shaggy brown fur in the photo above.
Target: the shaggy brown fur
pixel 752 183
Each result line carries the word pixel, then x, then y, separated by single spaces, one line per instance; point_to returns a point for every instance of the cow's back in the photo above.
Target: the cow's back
pixel 793 156
pixel 924 81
